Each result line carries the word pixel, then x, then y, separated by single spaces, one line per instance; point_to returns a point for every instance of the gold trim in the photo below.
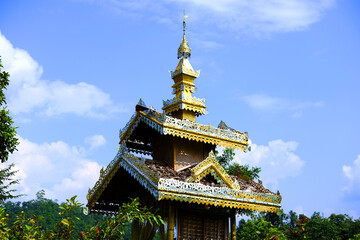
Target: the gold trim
pixel 184 105
pixel 172 189
pixel 211 166
pixel 166 129
pixel 217 202
pixel 204 138
pixel 133 165
pixel 104 179
pixel 198 189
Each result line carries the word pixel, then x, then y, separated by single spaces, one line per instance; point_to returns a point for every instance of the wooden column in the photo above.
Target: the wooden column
pixel 233 224
pixel 171 221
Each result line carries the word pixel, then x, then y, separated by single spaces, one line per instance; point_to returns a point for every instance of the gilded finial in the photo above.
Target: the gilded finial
pixel 184 50
pixel 184 23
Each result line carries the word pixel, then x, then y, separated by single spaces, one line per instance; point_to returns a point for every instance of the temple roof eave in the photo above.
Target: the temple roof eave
pixel 185 105
pixel 183 191
pixel 219 202
pixel 200 103
pixel 191 73
pixel 167 125
pixel 172 189
pixel 130 164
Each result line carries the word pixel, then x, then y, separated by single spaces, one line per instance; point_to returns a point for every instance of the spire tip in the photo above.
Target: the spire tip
pixel 184 50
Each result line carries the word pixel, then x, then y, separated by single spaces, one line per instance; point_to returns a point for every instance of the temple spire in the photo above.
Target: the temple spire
pixel 184 105
pixel 184 23
pixel 184 49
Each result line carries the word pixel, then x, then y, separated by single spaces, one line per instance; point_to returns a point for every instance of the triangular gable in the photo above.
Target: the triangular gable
pixel 150 118
pixel 134 166
pixel 211 166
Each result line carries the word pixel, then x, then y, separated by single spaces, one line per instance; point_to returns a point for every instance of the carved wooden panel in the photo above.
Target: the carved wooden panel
pixel 202 226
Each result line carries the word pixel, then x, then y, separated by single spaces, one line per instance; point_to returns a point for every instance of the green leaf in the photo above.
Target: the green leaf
pixel 65 221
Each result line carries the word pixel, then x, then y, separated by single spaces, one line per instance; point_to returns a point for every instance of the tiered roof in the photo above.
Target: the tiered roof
pixel 202 182
pixel 167 125
pixel 188 185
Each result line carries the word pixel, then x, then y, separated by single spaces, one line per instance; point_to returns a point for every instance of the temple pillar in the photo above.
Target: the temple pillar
pixel 233 224
pixel 171 221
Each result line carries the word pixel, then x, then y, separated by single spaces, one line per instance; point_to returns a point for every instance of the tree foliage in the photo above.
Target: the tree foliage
pixel 115 228
pixel 6 182
pixel 225 160
pixel 45 219
pixel 49 209
pixel 226 157
pixel 294 226
pixel 8 142
pixel 258 228
pixel 232 168
pixel 250 172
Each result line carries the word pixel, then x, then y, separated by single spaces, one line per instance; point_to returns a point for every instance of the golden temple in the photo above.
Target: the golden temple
pixel 195 194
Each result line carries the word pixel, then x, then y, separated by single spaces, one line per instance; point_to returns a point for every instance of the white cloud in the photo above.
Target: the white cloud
pixel 29 93
pixel 261 102
pixel 264 16
pixel 277 161
pixel 60 169
pixel 352 174
pixel 251 16
pixel 265 103
pixel 95 141
pixel 79 181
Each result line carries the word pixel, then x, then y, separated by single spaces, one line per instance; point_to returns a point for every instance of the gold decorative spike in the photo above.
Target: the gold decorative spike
pixel 184 49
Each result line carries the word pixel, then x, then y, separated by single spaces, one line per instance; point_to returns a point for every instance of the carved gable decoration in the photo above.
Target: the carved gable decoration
pixel 212 167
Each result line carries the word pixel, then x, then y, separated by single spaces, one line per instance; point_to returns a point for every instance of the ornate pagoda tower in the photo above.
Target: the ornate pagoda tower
pixel 180 176
pixel 184 105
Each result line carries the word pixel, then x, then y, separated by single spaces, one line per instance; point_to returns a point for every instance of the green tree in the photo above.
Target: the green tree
pixel 226 157
pixel 49 209
pixel 277 219
pixel 293 218
pixel 40 219
pixel 346 227
pixel 6 182
pixel 115 228
pixel 225 160
pixel 258 228
pixel 356 237
pixel 320 228
pixel 8 142
pixel 250 172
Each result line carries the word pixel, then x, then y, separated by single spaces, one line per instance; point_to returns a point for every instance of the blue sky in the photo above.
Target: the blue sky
pixel 287 72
